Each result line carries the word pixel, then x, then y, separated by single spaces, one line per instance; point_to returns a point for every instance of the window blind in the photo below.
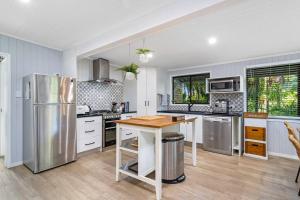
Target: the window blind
pixel 274 89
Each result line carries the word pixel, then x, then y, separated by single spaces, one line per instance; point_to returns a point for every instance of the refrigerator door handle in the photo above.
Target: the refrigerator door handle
pixel 36 146
pixel 59 136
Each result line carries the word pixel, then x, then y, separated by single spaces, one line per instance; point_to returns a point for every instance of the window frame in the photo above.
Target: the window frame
pixel 189 75
pixel 273 64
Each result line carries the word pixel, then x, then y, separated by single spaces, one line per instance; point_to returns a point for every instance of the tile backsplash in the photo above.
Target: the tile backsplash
pixel 99 95
pixel 236 101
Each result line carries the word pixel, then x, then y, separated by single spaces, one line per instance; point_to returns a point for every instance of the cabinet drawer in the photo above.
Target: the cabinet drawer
pixel 255 133
pixel 127 134
pixel 88 120
pixel 88 144
pixel 255 148
pixel 92 132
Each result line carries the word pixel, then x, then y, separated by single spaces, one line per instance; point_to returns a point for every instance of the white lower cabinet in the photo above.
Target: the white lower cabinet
pixel 89 133
pixel 186 129
pixel 128 133
pixel 86 144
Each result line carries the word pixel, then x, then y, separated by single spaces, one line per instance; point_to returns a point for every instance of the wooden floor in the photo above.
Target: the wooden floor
pixel 216 177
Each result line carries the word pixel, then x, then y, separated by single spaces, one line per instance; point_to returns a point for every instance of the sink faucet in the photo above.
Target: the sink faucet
pixel 190 105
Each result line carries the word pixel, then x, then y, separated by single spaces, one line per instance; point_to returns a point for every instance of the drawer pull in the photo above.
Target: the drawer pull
pixel 109 128
pixel 90 131
pixel 90 143
pixel 89 121
pixel 128 134
pixel 254 130
pixel 255 145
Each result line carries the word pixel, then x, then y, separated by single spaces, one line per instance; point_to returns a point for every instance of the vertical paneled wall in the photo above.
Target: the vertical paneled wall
pixel 278 142
pixel 26 58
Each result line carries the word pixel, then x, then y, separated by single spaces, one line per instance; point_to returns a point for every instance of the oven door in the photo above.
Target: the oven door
pixel 109 132
pixel 221 86
pixel 110 137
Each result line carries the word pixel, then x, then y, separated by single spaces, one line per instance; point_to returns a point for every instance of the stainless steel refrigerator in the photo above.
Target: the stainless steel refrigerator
pixel 49 121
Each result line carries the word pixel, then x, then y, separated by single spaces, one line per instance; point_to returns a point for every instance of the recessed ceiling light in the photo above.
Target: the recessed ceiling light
pixel 212 40
pixel 25 1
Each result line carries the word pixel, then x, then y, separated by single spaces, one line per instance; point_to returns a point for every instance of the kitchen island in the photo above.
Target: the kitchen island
pixel 149 152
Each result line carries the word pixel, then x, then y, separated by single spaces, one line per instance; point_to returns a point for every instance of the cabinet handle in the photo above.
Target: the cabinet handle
pixel 90 131
pixel 254 130
pixel 148 103
pixel 90 121
pixel 128 134
pixel 90 143
pixel 255 145
pixel 145 103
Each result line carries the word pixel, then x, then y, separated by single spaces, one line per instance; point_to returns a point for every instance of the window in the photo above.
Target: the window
pixel 190 89
pixel 274 90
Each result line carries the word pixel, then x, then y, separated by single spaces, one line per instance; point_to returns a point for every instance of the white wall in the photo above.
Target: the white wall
pixel 26 58
pixel 234 68
pixel 130 94
pixel 69 63
pixel 278 143
pixel 84 69
pixel 162 77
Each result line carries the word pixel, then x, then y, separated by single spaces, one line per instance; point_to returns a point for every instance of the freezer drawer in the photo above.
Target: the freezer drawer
pixel 55 127
pixel 217 134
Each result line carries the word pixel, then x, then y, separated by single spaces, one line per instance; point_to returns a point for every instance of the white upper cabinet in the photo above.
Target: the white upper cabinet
pixel 146 92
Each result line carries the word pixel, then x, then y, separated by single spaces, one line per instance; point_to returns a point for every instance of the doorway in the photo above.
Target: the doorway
pixel 5 102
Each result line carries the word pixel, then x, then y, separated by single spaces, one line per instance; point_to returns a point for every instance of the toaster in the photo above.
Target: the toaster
pixel 82 109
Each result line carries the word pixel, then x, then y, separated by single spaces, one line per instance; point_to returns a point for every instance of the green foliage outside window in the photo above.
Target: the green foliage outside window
pixel 190 89
pixel 274 94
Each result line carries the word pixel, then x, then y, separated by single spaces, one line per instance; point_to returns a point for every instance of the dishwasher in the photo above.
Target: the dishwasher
pixel 217 134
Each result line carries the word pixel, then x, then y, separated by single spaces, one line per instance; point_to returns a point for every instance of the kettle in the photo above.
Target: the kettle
pixel 114 107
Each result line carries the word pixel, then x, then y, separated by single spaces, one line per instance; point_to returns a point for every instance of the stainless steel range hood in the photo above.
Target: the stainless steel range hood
pixel 101 70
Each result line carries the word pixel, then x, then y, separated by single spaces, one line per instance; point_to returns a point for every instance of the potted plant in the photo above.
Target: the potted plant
pixel 144 54
pixel 130 71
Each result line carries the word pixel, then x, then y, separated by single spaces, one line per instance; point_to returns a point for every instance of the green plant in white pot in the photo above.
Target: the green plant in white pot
pixel 130 71
pixel 144 54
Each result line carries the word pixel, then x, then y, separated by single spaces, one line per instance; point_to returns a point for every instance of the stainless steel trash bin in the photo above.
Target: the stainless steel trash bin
pixel 173 158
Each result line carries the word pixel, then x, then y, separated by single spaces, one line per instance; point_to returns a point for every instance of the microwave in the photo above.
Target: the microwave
pixel 226 85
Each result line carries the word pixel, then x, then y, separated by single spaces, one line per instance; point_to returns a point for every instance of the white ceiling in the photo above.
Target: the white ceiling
pixel 245 29
pixel 61 24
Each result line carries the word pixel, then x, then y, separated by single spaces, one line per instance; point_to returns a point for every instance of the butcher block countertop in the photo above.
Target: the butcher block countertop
pixel 157 121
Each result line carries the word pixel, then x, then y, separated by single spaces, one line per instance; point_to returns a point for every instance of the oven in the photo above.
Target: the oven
pixel 109 130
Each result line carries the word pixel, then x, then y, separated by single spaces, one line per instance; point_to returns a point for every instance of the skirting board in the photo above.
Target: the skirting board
pixel 283 155
pixel 15 164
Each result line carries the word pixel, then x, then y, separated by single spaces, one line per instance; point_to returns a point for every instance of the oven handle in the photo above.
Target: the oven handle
pixel 109 121
pixel 109 128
